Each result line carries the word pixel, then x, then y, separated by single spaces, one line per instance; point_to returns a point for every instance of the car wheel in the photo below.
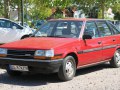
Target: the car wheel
pixel 13 73
pixel 68 69
pixel 115 62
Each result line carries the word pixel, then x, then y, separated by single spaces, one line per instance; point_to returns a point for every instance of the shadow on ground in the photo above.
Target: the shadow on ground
pixel 92 69
pixel 38 79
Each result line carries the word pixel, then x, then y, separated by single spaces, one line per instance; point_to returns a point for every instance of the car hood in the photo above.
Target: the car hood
pixel 35 43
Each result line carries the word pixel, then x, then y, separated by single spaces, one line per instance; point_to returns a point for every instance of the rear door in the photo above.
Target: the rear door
pixel 109 41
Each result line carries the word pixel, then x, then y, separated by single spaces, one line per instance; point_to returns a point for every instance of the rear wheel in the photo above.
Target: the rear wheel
pixel 68 69
pixel 115 62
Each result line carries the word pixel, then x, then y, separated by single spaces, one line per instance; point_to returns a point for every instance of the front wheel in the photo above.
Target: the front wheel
pixel 68 69
pixel 115 62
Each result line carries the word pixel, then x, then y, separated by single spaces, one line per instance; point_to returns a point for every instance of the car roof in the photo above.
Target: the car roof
pixel 10 20
pixel 76 19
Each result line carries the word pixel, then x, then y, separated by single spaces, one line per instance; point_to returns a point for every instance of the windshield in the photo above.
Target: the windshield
pixel 67 29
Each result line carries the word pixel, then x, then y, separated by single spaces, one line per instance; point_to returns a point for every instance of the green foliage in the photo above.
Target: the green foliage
pixel 100 14
pixel 117 16
pixel 58 16
pixel 41 9
pixel 1 8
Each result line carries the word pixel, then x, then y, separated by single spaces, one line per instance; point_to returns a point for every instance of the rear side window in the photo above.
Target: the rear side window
pixel 16 25
pixel 103 28
pixel 113 28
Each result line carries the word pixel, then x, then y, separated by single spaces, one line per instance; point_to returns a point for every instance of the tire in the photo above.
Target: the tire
pixel 13 73
pixel 115 61
pixel 68 69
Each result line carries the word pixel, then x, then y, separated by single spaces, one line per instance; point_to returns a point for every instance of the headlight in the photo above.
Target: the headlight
pixel 3 51
pixel 45 53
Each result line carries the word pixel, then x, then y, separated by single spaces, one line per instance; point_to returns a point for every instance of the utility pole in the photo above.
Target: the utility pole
pixel 22 12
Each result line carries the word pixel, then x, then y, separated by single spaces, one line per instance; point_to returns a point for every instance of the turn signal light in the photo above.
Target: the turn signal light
pixel 47 58
pixel 3 55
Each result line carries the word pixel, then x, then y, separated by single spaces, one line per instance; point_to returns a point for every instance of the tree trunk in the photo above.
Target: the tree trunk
pixel 6 8
pixel 19 11
pixel 103 9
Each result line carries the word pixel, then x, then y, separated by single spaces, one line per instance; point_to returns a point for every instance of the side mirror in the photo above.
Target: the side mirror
pixel 87 37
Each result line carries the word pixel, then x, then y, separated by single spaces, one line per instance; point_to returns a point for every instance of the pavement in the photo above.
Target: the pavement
pixel 101 77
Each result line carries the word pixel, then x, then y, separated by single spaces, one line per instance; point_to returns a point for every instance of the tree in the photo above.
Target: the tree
pixel 6 8
pixel 1 8
pixel 43 8
pixel 16 4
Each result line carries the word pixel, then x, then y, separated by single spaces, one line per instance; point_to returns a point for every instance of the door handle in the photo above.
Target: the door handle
pixel 114 40
pixel 99 42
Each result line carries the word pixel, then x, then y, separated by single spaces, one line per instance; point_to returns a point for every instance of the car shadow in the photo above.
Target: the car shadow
pixel 92 69
pixel 29 79
pixel 41 79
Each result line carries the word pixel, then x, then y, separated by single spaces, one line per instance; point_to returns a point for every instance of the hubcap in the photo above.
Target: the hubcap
pixel 117 56
pixel 69 68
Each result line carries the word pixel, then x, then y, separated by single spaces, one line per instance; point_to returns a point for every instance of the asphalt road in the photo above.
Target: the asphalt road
pixel 101 77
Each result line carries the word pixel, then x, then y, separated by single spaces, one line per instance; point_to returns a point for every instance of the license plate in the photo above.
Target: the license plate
pixel 18 68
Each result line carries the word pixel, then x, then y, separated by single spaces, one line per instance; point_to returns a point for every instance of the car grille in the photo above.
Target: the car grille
pixel 22 54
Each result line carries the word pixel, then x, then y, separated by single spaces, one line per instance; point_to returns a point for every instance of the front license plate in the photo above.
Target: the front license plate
pixel 18 68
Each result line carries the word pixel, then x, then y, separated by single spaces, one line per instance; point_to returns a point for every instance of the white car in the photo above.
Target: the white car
pixel 11 31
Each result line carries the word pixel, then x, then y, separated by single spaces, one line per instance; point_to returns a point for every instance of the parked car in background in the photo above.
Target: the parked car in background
pixel 11 31
pixel 24 24
pixel 63 46
pixel 37 23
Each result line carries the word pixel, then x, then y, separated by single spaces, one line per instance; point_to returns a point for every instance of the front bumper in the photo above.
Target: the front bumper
pixel 40 66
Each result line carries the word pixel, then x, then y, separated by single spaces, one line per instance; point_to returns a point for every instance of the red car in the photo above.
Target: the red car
pixel 63 46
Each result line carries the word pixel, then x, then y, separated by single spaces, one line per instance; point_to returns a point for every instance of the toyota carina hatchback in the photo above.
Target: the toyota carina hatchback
pixel 63 46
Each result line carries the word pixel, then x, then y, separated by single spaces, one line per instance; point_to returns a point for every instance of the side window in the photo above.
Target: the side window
pixel 91 29
pixel 2 23
pixel 103 28
pixel 17 26
pixel 5 24
pixel 114 29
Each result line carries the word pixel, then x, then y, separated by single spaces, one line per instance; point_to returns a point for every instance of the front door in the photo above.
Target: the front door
pixel 91 48
pixel 3 30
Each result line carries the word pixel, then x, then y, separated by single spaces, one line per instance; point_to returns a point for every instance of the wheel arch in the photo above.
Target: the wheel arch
pixel 24 36
pixel 74 55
